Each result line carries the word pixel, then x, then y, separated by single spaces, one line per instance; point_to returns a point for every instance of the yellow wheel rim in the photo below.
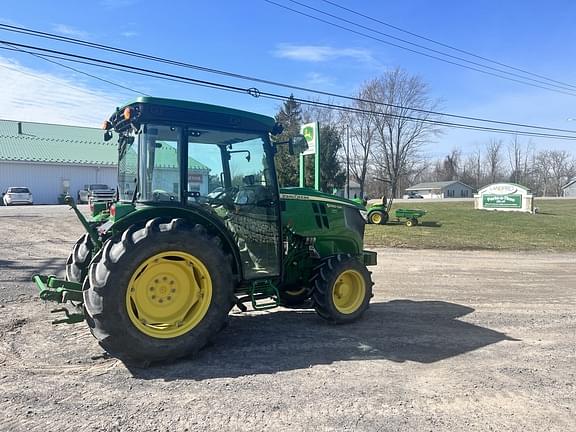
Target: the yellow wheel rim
pixel 348 292
pixel 376 218
pixel 169 294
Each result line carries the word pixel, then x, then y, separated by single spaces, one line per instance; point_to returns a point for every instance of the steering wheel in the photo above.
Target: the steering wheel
pixel 224 198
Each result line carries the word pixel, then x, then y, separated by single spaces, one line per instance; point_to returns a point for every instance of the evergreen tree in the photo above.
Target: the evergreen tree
pixel 290 117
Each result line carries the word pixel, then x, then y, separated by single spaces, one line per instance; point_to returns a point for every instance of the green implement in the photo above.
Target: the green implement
pixel 411 215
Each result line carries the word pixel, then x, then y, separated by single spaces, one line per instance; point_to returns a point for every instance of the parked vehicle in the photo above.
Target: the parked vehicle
pixel 17 195
pixel 96 192
pixel 413 195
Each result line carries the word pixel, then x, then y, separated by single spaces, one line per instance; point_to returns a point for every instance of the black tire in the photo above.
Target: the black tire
pixel 375 217
pixel 326 282
pixel 411 222
pixel 295 296
pixel 112 269
pixel 79 259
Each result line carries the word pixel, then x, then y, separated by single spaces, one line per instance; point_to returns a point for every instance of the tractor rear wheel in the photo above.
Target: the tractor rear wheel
pixel 79 259
pixel 411 222
pixel 159 292
pixel 342 289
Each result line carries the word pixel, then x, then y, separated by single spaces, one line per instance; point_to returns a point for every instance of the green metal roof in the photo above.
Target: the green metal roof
pixel 49 143
pixel 167 157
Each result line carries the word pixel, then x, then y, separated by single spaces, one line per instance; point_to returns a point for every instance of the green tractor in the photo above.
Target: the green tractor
pixel 200 225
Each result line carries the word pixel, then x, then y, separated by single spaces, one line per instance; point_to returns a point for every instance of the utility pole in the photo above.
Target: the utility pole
pixel 348 161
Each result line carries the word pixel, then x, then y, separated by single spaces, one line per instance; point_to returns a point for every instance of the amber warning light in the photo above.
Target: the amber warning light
pixel 127 113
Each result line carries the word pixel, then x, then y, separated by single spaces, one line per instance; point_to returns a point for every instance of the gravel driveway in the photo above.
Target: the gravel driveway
pixel 453 341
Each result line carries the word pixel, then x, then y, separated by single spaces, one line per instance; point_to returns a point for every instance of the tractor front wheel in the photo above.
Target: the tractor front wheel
pixel 342 289
pixel 377 217
pixel 159 292
pixel 294 297
pixel 79 259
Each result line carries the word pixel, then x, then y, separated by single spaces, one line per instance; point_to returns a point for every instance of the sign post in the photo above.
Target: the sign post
pixel 311 132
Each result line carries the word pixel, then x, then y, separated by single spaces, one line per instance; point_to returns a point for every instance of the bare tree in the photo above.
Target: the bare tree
pixel 562 169
pixel 519 158
pixel 494 160
pixel 362 129
pixel 401 127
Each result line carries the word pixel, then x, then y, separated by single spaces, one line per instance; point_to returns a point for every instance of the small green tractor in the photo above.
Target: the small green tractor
pixel 379 214
pixel 198 226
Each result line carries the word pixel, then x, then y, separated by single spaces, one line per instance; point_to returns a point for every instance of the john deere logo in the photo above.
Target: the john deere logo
pixel 308 133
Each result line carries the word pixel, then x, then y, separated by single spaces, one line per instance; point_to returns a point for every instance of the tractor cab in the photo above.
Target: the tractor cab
pixel 218 164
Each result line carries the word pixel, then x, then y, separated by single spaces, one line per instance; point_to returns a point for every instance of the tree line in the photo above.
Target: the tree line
pixel 383 136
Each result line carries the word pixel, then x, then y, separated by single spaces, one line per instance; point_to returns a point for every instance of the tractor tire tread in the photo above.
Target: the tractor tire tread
pixel 79 259
pixel 324 280
pixel 110 273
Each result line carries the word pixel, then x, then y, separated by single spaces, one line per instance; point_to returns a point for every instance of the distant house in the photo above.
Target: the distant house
pixel 445 189
pixel 569 189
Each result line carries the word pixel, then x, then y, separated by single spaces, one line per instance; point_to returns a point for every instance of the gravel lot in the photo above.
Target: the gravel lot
pixel 454 341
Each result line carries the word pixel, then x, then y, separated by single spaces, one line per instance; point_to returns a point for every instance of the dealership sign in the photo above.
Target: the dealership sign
pixel 504 197
pixel 502 201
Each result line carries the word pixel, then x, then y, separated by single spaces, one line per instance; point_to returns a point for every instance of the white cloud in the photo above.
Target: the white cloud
pixel 318 79
pixel 129 34
pixel 69 31
pixel 30 95
pixel 321 53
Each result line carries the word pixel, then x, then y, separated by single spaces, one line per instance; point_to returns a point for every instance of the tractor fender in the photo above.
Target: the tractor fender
pixel 192 216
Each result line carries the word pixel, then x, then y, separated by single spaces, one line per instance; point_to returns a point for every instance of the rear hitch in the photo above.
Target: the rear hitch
pixel 71 318
pixel 61 291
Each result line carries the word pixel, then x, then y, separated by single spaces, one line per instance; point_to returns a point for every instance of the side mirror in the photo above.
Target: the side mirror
pixel 297 144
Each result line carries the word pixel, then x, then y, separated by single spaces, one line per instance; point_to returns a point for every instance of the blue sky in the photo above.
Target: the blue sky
pixel 256 38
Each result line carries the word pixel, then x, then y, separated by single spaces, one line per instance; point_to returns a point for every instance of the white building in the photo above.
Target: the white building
pixel 52 160
pixel 445 189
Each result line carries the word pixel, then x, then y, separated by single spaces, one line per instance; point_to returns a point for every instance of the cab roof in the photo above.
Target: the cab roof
pixel 148 108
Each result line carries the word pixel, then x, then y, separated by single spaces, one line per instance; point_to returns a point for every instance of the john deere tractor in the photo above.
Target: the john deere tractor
pixel 200 225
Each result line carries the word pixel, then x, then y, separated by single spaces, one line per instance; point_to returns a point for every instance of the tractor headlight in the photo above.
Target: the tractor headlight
pixel 364 214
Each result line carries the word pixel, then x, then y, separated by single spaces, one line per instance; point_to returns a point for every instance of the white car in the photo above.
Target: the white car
pixel 17 195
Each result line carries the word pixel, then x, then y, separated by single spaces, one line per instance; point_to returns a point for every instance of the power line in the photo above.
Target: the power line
pixel 77 70
pixel 549 87
pixel 255 79
pixel 563 86
pixel 443 44
pixel 257 93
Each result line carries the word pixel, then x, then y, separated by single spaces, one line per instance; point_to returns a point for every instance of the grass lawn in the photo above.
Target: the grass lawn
pixel 456 225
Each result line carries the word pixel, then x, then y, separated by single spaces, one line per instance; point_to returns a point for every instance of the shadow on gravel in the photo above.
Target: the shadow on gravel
pixel 400 330
pixel 26 269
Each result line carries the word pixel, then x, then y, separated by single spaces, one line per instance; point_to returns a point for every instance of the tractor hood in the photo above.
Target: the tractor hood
pixel 307 194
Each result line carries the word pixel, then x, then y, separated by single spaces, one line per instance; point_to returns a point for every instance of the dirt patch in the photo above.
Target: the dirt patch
pixel 453 341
